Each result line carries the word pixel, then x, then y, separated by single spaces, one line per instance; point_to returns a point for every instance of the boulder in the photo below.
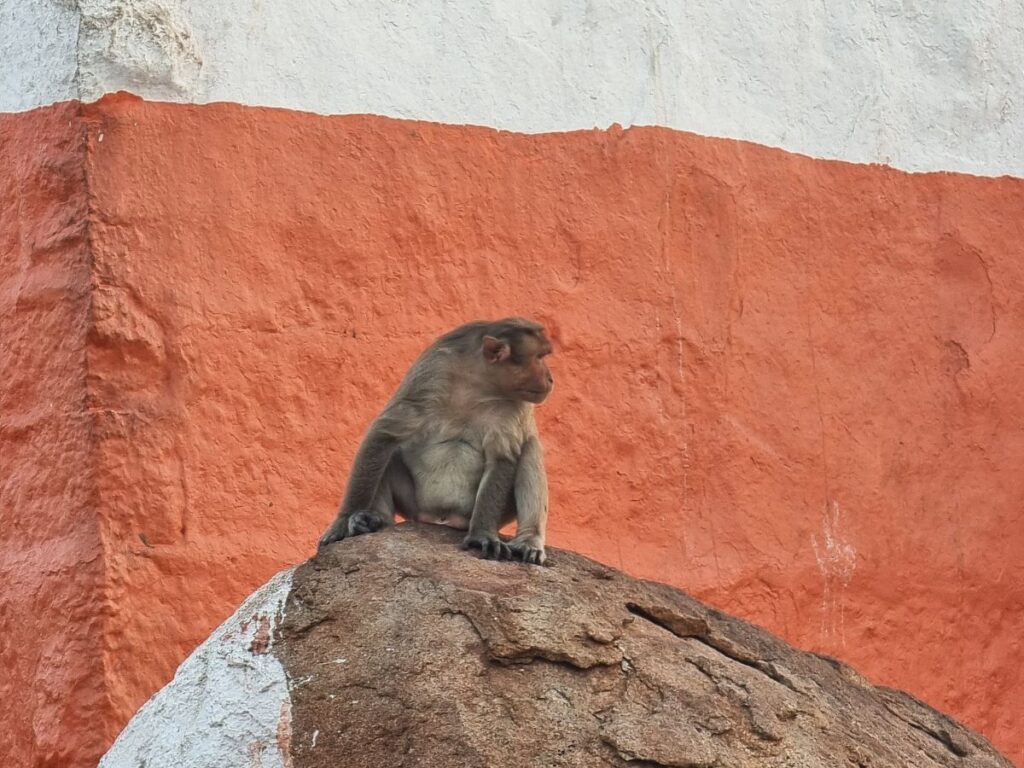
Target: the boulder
pixel 398 649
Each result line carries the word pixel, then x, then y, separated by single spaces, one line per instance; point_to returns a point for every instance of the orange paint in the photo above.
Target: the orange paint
pixel 53 704
pixel 787 385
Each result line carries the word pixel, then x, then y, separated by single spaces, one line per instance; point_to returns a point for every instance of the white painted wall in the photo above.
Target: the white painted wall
pixel 38 58
pixel 918 84
pixel 226 705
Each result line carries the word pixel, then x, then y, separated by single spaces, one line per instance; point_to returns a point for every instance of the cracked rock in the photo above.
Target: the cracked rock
pixel 398 649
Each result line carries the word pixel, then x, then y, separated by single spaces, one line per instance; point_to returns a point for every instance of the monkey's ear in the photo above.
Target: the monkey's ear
pixel 496 350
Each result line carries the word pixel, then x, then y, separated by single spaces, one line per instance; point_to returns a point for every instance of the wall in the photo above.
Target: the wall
pixel 919 86
pixel 787 384
pixel 53 700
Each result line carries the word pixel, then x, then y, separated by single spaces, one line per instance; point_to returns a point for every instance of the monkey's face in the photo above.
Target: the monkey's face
pixel 517 367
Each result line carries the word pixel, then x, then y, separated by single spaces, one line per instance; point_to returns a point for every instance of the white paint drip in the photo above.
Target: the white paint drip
pixel 228 703
pixel 837 560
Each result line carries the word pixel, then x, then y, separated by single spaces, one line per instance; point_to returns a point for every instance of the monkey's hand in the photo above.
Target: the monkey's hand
pixel 491 547
pixel 352 524
pixel 528 548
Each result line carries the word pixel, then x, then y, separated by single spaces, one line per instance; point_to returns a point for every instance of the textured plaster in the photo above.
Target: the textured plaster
pixel 228 703
pixel 787 385
pixel 142 46
pixel 920 86
pixel 38 53
pixel 54 709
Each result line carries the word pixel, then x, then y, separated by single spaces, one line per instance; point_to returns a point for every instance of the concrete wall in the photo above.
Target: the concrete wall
pixel 919 85
pixel 53 701
pixel 786 384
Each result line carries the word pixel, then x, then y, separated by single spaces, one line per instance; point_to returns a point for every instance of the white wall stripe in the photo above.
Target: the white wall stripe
pixel 38 53
pixel 914 84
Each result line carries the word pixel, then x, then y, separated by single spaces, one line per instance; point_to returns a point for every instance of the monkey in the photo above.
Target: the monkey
pixel 457 444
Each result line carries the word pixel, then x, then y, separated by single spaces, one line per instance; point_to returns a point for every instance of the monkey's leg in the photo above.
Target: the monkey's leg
pixel 398 491
pixel 531 502
pixel 368 505
pixel 492 499
pixel 395 493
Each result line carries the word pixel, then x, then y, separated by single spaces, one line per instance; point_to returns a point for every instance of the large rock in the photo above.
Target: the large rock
pixel 399 649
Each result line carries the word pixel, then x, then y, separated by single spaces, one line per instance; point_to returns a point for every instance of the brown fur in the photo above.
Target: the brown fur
pixel 457 443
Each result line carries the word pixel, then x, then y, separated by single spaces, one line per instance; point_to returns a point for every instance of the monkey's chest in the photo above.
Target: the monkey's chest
pixel 446 476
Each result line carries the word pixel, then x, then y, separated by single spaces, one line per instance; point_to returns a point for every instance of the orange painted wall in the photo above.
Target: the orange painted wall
pixel 787 385
pixel 53 704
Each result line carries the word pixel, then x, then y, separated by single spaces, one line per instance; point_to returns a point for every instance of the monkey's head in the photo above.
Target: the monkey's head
pixel 513 352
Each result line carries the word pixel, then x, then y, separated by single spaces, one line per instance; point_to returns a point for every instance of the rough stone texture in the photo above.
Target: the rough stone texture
pixel 143 46
pixel 918 86
pixel 228 703
pixel 789 386
pixel 52 686
pixel 401 650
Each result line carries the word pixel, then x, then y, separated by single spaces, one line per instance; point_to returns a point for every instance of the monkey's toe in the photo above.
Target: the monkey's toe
pixel 496 550
pixel 534 556
pixel 530 555
pixel 528 550
pixel 364 522
pixel 335 533
pixel 491 547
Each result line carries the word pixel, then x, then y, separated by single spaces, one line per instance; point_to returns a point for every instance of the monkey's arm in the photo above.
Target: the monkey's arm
pixel 356 515
pixel 492 498
pixel 531 494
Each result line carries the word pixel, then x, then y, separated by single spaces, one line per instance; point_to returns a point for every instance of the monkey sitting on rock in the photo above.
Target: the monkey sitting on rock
pixel 457 444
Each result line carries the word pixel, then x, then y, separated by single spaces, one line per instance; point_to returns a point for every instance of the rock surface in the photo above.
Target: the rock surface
pixel 404 651
pixel 401 650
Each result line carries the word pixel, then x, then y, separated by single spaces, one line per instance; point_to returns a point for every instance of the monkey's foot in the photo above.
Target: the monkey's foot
pixel 365 522
pixel 353 524
pixel 490 546
pixel 528 550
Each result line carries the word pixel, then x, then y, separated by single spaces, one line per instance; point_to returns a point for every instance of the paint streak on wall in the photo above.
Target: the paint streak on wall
pixel 837 561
